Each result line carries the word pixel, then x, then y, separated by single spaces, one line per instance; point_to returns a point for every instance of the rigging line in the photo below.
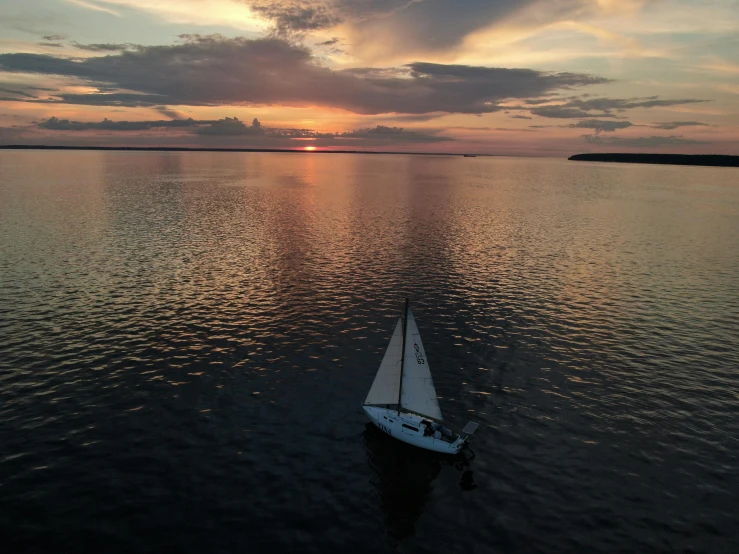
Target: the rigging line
pixel 402 354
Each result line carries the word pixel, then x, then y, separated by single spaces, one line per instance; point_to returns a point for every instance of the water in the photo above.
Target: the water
pixel 186 339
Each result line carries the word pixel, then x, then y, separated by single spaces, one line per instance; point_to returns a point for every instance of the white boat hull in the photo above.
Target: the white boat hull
pixel 407 428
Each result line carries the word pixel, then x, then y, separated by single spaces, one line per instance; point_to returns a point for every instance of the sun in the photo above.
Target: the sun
pixel 309 148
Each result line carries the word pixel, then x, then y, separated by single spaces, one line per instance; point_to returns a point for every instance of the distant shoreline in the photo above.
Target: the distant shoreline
pixel 186 149
pixel 713 160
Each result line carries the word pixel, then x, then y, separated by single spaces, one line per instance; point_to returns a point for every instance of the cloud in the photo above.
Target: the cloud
pixel 232 126
pixel 170 113
pixel 376 135
pixel 33 22
pixel 54 38
pixel 56 124
pixel 392 28
pixel 123 99
pixel 564 112
pixel 394 134
pixel 506 129
pixel 675 124
pixel 517 116
pixel 428 26
pixel 621 104
pixel 104 47
pixel 298 133
pixel 22 92
pixel 513 129
pixel 414 117
pixel 19 91
pixel 600 126
pixel 95 7
pixel 214 70
pixel 255 134
pixel 38 63
pixel 51 44
pixel 647 142
pixel 538 101
pixel 296 16
pixel 375 28
pixel 585 107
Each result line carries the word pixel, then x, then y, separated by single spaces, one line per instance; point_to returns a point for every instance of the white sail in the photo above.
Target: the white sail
pixel 387 381
pixel 418 393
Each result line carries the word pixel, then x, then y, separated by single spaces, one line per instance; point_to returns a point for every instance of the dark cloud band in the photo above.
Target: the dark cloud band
pixel 213 70
pixel 579 108
pixel 233 127
pixel 676 124
pixel 601 126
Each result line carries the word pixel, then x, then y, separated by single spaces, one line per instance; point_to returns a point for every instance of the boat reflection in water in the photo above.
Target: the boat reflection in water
pixel 403 475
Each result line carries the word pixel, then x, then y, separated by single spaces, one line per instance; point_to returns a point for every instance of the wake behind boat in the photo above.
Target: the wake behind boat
pixel 402 400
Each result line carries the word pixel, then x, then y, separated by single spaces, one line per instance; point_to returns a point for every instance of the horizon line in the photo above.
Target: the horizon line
pixel 216 149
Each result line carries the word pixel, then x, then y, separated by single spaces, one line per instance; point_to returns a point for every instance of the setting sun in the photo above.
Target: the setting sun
pixel 309 148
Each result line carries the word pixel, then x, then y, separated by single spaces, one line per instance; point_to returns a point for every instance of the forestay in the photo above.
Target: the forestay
pixel 418 393
pixel 387 381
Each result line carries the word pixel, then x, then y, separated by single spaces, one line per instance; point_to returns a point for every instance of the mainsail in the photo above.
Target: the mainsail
pixel 418 393
pixel 387 381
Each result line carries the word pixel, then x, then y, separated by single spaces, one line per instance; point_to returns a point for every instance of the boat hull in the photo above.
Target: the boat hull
pixel 407 428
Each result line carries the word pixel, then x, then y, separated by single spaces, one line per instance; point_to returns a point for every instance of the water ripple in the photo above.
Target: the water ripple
pixel 185 340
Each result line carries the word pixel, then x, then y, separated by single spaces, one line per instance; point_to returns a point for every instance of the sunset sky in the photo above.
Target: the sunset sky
pixel 510 77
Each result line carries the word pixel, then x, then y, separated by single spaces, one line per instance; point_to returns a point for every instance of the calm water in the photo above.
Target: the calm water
pixel 186 340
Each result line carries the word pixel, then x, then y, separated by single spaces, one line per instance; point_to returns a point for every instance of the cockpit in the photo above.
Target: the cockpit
pixel 437 430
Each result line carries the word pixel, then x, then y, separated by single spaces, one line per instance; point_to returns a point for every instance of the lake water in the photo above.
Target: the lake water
pixel 186 340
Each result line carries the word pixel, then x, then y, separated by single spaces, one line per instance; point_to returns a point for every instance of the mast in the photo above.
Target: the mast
pixel 402 357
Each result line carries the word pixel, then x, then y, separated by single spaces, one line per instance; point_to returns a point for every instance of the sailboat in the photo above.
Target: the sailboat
pixel 402 400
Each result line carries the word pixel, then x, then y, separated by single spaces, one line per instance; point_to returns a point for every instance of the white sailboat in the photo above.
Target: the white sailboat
pixel 402 401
